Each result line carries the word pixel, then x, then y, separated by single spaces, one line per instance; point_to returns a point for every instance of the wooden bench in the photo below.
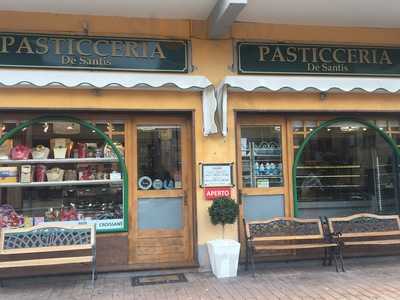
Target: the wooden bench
pixel 46 238
pixel 285 233
pixel 365 230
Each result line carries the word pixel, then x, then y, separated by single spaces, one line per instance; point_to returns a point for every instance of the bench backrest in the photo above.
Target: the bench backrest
pixel 47 237
pixel 284 228
pixel 363 225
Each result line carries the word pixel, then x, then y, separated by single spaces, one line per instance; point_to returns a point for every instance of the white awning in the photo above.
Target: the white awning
pixel 76 79
pixel 312 84
pixel 292 83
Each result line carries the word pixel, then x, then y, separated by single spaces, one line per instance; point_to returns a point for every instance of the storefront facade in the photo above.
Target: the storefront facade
pixel 311 151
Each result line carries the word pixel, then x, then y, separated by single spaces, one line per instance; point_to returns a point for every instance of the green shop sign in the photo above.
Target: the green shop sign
pixel 81 52
pixel 276 58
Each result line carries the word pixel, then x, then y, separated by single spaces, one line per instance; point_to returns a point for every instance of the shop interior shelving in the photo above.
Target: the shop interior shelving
pixel 330 171
pixel 61 183
pixel 250 157
pixel 58 161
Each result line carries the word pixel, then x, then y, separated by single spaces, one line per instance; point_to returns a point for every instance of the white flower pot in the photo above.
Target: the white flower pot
pixel 224 257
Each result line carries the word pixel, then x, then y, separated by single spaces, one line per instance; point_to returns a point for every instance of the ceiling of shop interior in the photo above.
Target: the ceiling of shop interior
pixel 362 13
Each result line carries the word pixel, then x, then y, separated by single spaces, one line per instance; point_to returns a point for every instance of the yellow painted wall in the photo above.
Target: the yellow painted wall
pixel 211 58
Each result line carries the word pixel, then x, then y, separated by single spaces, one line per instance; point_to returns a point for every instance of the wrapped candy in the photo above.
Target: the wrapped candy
pixel 9 217
pixel 40 173
pixel 69 214
pixel 20 152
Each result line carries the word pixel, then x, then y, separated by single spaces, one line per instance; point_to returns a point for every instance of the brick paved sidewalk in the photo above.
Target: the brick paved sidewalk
pixel 366 278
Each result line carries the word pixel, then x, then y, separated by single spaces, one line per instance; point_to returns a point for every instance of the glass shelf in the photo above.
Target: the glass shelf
pixel 58 161
pixel 60 183
pixel 327 176
pixel 330 186
pixel 329 167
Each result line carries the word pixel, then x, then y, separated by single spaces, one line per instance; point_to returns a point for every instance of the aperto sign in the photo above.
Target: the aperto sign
pixel 279 58
pixel 81 52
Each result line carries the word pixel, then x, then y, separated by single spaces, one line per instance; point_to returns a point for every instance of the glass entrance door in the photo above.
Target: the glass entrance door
pixel 163 219
pixel 263 181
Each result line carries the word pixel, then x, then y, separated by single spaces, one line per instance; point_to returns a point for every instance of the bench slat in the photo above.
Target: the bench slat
pixel 288 238
pixel 45 249
pixel 376 242
pixel 370 234
pixel 289 247
pixel 365 224
pixel 46 262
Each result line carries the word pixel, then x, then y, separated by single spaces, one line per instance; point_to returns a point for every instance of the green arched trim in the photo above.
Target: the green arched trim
pixel 121 162
pixel 325 124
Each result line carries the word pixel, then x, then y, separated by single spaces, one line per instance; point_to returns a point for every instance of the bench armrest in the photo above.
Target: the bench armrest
pixel 335 237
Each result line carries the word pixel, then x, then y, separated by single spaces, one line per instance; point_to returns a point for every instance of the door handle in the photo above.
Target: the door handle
pixel 185 201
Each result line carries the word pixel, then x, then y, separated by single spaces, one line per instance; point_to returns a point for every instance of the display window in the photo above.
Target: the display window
pixel 261 154
pixel 159 157
pixel 58 169
pixel 346 167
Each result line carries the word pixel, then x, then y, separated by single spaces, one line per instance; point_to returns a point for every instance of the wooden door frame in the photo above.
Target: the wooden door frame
pixel 257 119
pixel 187 192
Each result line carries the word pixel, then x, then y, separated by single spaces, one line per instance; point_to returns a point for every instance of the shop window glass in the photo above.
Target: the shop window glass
pixel 382 125
pixel 298 127
pixel 259 208
pixel 159 157
pixel 60 171
pixel 396 138
pixel 297 140
pixel 347 168
pixel 310 125
pixel 261 156
pixel 394 125
pixel 160 213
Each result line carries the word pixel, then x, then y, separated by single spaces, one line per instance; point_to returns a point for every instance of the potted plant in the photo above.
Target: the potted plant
pixel 223 253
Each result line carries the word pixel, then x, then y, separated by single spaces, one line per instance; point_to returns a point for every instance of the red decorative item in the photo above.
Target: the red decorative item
pixel 20 152
pixel 40 173
pixel 9 217
pixel 82 150
pixel 86 174
pixel 68 214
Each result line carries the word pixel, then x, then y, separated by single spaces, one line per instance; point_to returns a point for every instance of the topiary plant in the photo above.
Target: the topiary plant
pixel 223 211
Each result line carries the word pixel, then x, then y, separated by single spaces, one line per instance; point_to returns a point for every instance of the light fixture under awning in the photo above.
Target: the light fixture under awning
pixel 17 78
pixel 291 83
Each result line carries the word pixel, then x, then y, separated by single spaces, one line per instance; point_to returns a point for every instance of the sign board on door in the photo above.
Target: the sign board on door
pixel 211 193
pixel 216 175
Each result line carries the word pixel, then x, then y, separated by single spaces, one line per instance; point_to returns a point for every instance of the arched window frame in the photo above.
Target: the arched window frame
pixel 124 174
pixel 313 133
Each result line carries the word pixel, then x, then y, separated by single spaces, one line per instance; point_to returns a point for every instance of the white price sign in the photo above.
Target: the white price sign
pixel 217 175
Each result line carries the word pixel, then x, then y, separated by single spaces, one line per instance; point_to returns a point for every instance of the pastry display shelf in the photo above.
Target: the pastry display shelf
pixel 62 183
pixel 330 186
pixel 58 161
pixel 328 176
pixel 330 167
